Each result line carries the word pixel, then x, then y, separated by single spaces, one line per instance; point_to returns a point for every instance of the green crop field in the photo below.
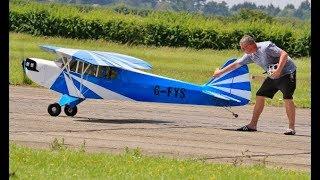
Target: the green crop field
pixel 59 162
pixel 195 66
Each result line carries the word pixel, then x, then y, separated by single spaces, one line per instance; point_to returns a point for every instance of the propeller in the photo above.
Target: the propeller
pixel 25 80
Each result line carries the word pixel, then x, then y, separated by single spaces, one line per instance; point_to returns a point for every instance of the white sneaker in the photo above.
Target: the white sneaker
pixel 290 132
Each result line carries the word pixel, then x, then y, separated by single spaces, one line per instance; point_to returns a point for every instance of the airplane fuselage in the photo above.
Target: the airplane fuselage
pixel 130 84
pixel 142 86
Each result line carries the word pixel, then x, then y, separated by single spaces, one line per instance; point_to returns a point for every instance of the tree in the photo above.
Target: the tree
pixel 289 6
pixel 304 10
pixel 262 8
pixel 163 6
pixel 273 11
pixel 101 2
pixel 252 15
pixel 288 11
pixel 216 8
pixel 142 3
pixel 245 5
pixel 199 4
pixel 305 5
pixel 186 5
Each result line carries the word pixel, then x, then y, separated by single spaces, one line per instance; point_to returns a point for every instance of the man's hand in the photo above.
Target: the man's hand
pixel 230 67
pixel 275 74
pixel 217 72
pixel 282 61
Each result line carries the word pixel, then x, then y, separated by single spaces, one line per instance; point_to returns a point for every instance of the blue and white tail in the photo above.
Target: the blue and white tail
pixel 233 86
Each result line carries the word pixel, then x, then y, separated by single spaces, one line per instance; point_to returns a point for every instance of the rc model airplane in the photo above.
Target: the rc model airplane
pixel 83 74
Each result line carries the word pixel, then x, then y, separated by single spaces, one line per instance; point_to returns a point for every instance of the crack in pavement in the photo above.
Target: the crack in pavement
pixel 257 155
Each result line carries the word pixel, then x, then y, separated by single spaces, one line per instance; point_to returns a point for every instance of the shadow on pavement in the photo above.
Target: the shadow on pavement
pixel 120 121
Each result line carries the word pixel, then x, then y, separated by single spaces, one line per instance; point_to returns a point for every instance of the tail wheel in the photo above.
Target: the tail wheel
pixel 70 111
pixel 54 109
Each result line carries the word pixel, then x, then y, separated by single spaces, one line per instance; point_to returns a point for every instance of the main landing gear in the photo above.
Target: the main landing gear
pixel 55 110
pixel 70 105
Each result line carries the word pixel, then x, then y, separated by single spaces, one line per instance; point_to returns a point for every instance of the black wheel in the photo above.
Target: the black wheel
pixel 54 109
pixel 70 111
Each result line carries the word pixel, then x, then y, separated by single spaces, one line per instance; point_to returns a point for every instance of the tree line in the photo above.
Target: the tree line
pixel 157 28
pixel 203 6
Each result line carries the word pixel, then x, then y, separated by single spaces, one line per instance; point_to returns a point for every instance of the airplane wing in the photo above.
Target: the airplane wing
pixel 220 96
pixel 100 58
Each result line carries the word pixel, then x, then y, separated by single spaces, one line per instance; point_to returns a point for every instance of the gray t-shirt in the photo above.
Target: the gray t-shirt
pixel 267 54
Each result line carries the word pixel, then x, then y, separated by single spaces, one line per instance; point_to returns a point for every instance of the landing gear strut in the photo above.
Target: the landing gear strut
pixel 54 109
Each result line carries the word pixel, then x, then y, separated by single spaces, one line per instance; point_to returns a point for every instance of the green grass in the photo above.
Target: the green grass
pixel 196 66
pixel 27 163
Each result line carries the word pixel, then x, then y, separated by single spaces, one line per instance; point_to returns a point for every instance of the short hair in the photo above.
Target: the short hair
pixel 246 39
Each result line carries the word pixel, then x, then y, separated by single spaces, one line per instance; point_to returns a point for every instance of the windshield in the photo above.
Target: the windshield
pixel 61 61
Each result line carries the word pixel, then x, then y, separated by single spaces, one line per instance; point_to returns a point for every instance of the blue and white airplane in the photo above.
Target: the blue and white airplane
pixel 82 74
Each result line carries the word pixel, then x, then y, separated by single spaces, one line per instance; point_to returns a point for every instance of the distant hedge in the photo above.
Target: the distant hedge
pixel 131 30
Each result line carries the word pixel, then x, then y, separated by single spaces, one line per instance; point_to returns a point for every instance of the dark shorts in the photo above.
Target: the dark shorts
pixel 286 84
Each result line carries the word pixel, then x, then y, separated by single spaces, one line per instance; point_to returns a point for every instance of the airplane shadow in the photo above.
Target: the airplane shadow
pixel 120 121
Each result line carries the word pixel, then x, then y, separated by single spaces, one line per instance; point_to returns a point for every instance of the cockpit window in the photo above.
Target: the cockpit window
pixel 106 72
pixel 73 65
pixel 59 60
pixel 92 69
pixel 102 71
pixel 79 67
pixel 111 73
pixel 85 67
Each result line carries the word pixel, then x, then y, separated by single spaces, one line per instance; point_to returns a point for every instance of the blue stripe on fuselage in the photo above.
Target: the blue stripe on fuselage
pixel 86 92
pixel 60 85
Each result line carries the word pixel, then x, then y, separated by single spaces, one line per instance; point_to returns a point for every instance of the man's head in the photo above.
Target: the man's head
pixel 248 45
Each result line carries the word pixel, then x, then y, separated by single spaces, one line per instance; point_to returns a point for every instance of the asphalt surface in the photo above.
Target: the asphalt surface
pixel 182 131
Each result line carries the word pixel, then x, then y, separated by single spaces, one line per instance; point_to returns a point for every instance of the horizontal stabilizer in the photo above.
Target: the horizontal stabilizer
pixel 220 96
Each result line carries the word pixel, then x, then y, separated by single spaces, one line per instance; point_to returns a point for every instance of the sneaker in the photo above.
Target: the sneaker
pixel 246 128
pixel 290 132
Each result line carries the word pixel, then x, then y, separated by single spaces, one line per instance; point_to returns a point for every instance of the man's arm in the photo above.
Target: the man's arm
pixel 230 67
pixel 282 61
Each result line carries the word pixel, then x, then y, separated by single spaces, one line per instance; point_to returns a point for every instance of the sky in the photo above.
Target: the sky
pixel 280 3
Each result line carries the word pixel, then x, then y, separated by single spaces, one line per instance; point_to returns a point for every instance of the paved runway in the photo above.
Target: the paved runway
pixel 182 131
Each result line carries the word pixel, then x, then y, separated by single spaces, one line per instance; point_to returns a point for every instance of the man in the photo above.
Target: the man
pixel 282 76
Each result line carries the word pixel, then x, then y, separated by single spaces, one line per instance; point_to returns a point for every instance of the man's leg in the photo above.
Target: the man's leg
pixel 258 108
pixel 291 112
pixel 267 89
pixel 288 86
